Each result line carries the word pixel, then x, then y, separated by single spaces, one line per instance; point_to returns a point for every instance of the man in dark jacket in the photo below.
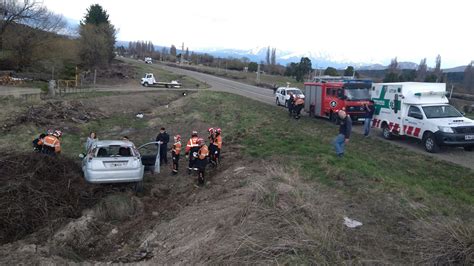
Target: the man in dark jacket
pixel 369 114
pixel 163 138
pixel 345 128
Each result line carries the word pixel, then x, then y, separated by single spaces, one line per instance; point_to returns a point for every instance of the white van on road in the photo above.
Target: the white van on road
pixel 421 110
pixel 283 95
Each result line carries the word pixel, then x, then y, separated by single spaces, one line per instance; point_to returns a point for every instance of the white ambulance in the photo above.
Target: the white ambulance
pixel 421 110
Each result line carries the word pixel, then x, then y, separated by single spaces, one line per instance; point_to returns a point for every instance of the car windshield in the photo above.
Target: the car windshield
pixel 114 151
pixel 357 94
pixel 295 92
pixel 441 111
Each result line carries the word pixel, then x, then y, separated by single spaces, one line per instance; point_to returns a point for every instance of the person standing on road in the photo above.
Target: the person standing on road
pixel 345 128
pixel 192 147
pixel 163 138
pixel 175 152
pixel 90 140
pixel 369 114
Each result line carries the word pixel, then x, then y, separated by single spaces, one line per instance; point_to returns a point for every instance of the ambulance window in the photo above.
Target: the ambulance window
pixel 415 112
pixel 328 91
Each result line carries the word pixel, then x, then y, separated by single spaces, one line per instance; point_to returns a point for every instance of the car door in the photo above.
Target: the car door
pixel 282 96
pixel 413 122
pixel 150 155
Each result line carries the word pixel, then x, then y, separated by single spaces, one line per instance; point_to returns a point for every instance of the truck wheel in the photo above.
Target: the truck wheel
pixel 145 84
pixel 386 132
pixel 277 102
pixel 167 86
pixel 469 148
pixel 429 142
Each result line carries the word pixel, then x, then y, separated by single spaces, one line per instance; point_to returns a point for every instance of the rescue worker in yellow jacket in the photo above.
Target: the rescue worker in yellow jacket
pixel 175 152
pixel 192 147
pixel 201 161
pixel 51 143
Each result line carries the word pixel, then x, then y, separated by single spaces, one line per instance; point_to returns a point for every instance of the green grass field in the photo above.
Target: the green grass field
pixel 370 165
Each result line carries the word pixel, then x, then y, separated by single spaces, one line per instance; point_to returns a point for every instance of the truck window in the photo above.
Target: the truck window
pixel 148 76
pixel 415 112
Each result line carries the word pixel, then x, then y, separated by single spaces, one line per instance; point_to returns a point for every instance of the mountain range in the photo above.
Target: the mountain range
pixel 319 60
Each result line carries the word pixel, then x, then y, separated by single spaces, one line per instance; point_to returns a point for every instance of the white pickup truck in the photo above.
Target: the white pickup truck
pixel 149 80
pixel 421 110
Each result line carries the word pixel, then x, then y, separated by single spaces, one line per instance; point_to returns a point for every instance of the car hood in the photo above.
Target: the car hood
pixel 452 121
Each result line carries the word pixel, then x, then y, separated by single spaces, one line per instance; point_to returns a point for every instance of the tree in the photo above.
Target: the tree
pixel 273 57
pixel 422 70
pixel 437 71
pixel 252 67
pixel 303 69
pixel 331 71
pixel 392 72
pixel 469 78
pixel 349 71
pixel 186 55
pixel 268 56
pixel 173 50
pixel 97 38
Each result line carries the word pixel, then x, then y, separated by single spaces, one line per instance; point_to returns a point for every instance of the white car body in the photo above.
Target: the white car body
pixel 282 95
pixel 421 110
pixel 111 166
pixel 148 60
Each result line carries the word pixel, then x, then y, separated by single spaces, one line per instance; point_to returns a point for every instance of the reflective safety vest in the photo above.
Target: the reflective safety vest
pixel 192 143
pixel 51 142
pixel 299 101
pixel 177 148
pixel 218 141
pixel 203 152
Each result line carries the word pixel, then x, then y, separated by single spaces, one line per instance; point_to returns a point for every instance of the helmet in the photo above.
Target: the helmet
pixel 57 133
pixel 50 131
pixel 195 133
pixel 177 137
pixel 218 130
pixel 211 130
pixel 201 141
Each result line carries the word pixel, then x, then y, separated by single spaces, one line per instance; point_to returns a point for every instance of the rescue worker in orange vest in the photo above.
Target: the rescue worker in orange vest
pixel 212 147
pixel 51 143
pixel 218 145
pixel 192 147
pixel 175 152
pixel 201 161
pixel 299 104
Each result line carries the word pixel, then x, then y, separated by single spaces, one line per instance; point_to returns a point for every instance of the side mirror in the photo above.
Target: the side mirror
pixel 82 156
pixel 463 114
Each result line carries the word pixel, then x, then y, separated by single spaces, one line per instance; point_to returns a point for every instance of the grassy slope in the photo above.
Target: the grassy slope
pixel 370 166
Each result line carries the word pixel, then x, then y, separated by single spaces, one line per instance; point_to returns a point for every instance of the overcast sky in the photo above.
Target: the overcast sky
pixel 359 31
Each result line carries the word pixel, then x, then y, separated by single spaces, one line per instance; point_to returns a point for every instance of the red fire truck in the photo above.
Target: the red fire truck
pixel 325 95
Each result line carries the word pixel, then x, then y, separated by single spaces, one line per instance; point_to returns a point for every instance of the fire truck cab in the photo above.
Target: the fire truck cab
pixel 326 95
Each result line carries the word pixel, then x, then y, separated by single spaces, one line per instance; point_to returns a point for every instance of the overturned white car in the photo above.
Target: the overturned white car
pixel 116 161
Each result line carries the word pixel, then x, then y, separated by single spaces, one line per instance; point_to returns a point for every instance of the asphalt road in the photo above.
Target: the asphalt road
pixel 453 155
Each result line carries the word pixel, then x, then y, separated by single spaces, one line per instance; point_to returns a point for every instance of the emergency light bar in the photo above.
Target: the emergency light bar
pixel 431 93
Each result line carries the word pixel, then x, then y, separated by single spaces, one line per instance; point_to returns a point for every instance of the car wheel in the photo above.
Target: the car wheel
pixel 469 148
pixel 145 84
pixel 429 142
pixel 286 104
pixel 139 186
pixel 386 132
pixel 277 102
